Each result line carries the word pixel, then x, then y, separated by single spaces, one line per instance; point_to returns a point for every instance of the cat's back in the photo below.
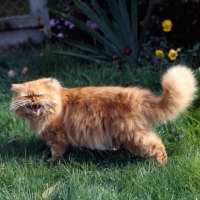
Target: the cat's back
pixel 97 93
pixel 104 97
pixel 108 91
pixel 105 92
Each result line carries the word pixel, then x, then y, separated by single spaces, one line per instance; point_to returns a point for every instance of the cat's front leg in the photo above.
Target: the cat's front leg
pixel 57 150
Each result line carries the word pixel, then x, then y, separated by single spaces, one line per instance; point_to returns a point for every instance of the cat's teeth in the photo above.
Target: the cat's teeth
pixel 35 108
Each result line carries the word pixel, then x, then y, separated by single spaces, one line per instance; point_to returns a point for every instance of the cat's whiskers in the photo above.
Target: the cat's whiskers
pixel 48 105
pixel 25 105
pixel 18 104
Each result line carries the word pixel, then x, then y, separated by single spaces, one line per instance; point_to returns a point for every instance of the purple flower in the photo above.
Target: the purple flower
pixel 71 26
pixel 60 35
pixel 88 22
pixel 94 26
pixel 66 23
pixel 91 24
pixel 52 22
pixel 66 9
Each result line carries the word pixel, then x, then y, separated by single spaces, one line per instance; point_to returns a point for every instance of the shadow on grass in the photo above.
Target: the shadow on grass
pixel 22 148
pixel 34 148
pixel 101 158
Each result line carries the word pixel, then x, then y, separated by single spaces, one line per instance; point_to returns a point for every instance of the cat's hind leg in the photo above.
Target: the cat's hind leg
pixel 57 150
pixel 147 144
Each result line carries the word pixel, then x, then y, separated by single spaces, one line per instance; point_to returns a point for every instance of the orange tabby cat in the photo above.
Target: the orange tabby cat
pixel 103 117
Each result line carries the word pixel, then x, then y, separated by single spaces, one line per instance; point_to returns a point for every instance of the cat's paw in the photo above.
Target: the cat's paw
pixel 53 159
pixel 50 160
pixel 161 158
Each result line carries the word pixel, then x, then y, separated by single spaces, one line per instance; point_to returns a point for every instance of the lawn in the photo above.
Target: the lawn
pixel 85 174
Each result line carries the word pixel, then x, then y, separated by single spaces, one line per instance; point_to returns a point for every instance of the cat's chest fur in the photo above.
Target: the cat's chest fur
pixel 83 122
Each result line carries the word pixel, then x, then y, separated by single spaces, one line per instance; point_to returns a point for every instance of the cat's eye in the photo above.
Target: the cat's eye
pixel 30 96
pixel 39 95
pixel 27 96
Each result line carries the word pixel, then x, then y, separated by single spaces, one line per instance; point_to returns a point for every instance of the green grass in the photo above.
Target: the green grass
pixel 85 174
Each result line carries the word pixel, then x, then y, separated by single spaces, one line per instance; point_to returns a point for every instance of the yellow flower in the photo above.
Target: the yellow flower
pixel 167 25
pixel 172 54
pixel 159 54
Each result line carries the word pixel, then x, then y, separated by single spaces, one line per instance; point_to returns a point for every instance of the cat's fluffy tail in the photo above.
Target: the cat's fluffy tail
pixel 179 88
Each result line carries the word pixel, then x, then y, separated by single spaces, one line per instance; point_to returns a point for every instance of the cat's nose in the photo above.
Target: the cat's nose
pixel 33 100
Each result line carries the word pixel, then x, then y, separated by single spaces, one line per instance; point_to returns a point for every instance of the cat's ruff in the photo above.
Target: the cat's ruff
pixel 103 117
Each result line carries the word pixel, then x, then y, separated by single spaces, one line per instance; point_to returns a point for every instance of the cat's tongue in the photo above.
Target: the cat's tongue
pixel 35 109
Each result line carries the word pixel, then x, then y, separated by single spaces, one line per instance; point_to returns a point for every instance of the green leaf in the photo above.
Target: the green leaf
pixel 102 25
pixel 196 47
pixel 145 24
pixel 134 25
pixel 118 33
pixel 81 45
pixel 88 30
pixel 110 26
pixel 77 55
pixel 115 12
pixel 125 21
pixel 131 39
pixel 85 47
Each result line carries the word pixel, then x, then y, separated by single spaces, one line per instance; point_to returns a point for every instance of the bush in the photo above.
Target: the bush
pixel 184 33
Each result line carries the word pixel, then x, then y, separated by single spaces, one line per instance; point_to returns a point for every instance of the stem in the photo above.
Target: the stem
pixel 145 25
pixel 134 25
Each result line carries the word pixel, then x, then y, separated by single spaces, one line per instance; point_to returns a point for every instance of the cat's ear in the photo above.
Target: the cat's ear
pixel 16 87
pixel 52 82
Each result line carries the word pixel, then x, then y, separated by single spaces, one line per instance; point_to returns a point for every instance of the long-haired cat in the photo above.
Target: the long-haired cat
pixel 103 118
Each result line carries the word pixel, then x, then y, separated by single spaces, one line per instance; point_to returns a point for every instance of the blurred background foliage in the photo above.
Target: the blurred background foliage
pixel 185 15
pixel 184 35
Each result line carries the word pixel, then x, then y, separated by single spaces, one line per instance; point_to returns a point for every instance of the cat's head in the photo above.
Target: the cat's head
pixel 37 98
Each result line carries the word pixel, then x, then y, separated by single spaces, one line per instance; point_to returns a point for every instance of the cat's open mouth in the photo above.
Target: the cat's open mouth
pixel 35 108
